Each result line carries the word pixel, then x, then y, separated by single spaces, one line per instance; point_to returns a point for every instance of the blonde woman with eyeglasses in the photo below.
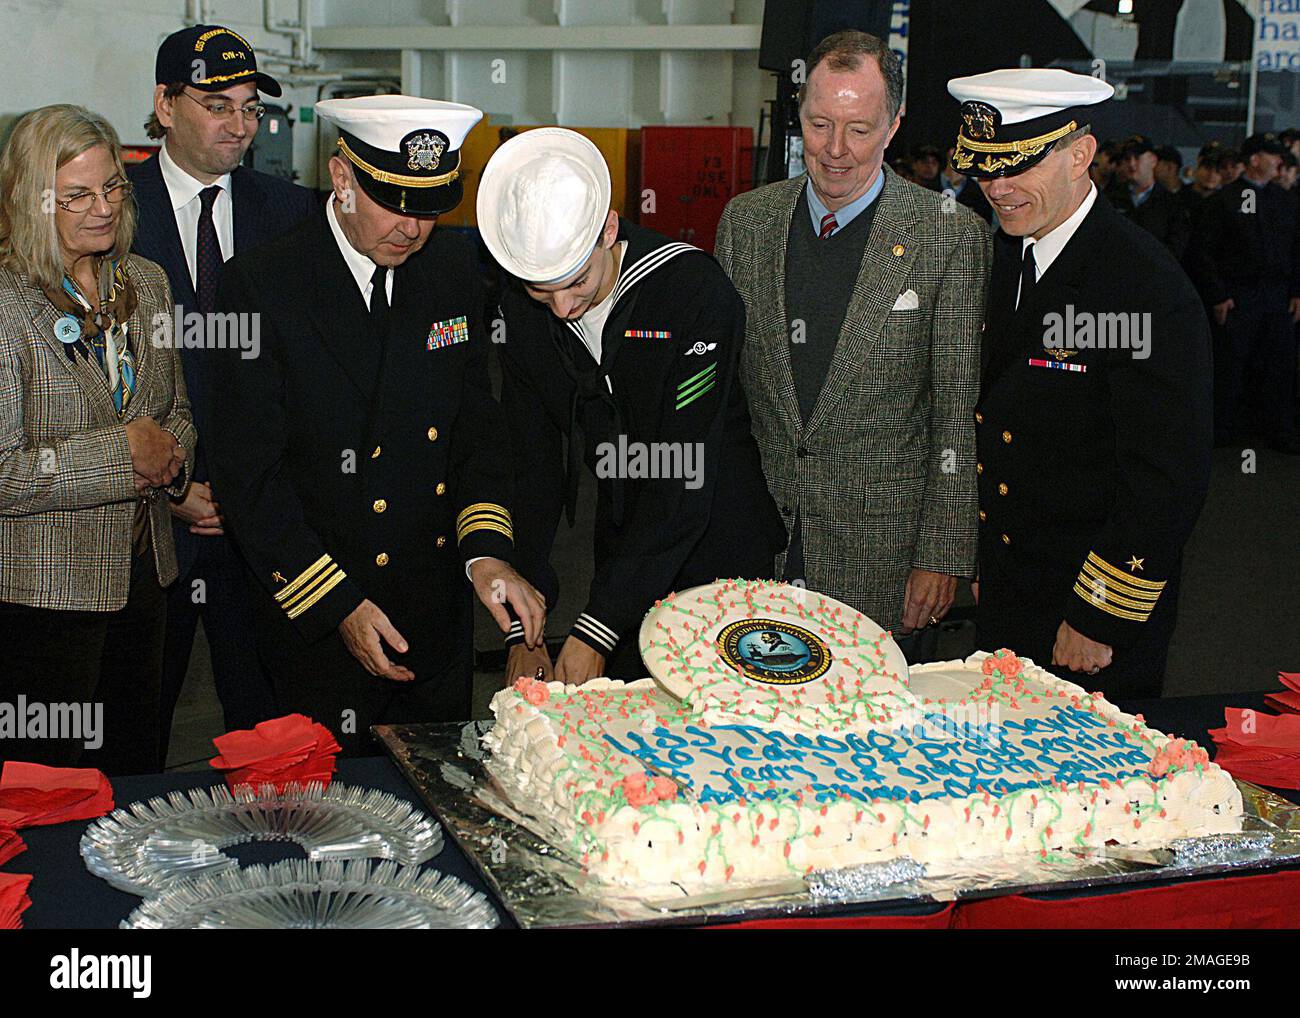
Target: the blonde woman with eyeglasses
pixel 95 434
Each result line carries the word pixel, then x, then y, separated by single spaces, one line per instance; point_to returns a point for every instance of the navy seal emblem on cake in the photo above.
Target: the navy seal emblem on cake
pixel 774 652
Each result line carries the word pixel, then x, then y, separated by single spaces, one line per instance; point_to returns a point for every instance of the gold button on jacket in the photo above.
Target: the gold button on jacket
pixel 380 505
pixel 381 559
pixel 433 434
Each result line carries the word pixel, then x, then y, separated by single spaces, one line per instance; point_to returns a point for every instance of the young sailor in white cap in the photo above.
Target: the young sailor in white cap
pixel 362 460
pixel 1094 425
pixel 635 339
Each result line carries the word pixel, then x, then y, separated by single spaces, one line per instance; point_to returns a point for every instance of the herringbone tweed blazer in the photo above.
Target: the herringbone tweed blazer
pixel 882 474
pixel 67 498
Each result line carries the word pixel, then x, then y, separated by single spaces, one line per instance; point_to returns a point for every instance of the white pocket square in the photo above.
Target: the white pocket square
pixel 907 301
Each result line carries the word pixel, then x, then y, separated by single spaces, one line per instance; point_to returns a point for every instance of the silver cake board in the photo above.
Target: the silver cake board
pixel 541 886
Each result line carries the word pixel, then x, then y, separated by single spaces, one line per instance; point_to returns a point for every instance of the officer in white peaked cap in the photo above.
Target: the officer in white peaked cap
pixel 1093 428
pixel 405 150
pixel 362 460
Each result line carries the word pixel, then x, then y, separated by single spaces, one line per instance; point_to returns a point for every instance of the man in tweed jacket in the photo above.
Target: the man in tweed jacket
pixel 865 298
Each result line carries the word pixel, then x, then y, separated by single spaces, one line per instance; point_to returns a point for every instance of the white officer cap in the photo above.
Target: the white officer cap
pixel 406 149
pixel 542 203
pixel 1012 118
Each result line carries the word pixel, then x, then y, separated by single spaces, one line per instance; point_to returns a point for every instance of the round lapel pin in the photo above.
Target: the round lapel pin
pixel 67 330
pixel 898 250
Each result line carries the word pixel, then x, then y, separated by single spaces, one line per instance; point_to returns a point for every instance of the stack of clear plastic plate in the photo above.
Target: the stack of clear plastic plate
pixel 150 845
pixel 298 894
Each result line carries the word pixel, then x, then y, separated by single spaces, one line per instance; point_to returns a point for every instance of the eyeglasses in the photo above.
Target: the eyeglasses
pixel 84 200
pixel 220 111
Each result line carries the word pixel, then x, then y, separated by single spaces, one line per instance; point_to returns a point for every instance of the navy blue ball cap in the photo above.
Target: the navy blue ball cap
pixel 210 58
pixel 1268 142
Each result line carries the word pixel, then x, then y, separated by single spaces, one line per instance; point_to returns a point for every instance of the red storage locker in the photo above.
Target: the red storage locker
pixel 693 172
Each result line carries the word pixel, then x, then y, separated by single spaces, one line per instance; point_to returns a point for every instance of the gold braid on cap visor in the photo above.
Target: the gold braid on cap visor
pixel 1004 155
pixel 401 180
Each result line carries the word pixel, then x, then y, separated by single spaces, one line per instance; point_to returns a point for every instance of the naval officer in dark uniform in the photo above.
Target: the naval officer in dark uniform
pixel 1094 419
pixel 634 340
pixel 363 463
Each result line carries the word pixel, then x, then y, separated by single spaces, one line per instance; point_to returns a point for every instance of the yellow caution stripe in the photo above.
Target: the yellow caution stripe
pixel 484 516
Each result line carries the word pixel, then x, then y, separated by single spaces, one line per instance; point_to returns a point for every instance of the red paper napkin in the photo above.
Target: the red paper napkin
pixel 1263 748
pixel 1289 699
pixel 13 899
pixel 33 794
pixel 288 750
pixel 10 844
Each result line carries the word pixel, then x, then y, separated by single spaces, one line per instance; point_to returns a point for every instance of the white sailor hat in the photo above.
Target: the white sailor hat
pixel 542 203
pixel 406 150
pixel 1011 119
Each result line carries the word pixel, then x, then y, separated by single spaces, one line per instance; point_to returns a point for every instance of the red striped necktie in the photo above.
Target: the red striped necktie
pixel 829 225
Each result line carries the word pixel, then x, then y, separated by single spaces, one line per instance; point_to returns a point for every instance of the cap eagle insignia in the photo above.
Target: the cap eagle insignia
pixel 424 151
pixel 981 120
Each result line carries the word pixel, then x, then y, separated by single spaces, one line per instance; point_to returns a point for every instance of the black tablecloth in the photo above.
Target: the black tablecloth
pixel 64 894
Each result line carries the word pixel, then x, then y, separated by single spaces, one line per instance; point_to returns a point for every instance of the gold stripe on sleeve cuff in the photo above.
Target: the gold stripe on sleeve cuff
pixel 312 587
pixel 320 592
pixel 303 577
pixel 485 526
pixel 483 516
pixel 1115 590
pixel 1107 605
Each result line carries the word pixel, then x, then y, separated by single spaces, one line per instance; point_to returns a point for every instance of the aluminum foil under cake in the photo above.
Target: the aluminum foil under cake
pixel 541 886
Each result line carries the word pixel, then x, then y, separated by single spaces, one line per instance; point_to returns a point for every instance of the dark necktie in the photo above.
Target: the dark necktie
pixel 1028 275
pixel 829 226
pixel 378 293
pixel 207 258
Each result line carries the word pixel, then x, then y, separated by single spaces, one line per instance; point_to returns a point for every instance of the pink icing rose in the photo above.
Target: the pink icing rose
pixel 665 789
pixel 1003 661
pixel 1181 753
pixel 639 793
pixel 531 690
pixel 640 796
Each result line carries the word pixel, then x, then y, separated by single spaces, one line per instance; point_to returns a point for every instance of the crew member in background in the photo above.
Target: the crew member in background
pixel 197 207
pixel 1146 201
pixel 1169 168
pixel 633 339
pixel 363 463
pixel 1245 260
